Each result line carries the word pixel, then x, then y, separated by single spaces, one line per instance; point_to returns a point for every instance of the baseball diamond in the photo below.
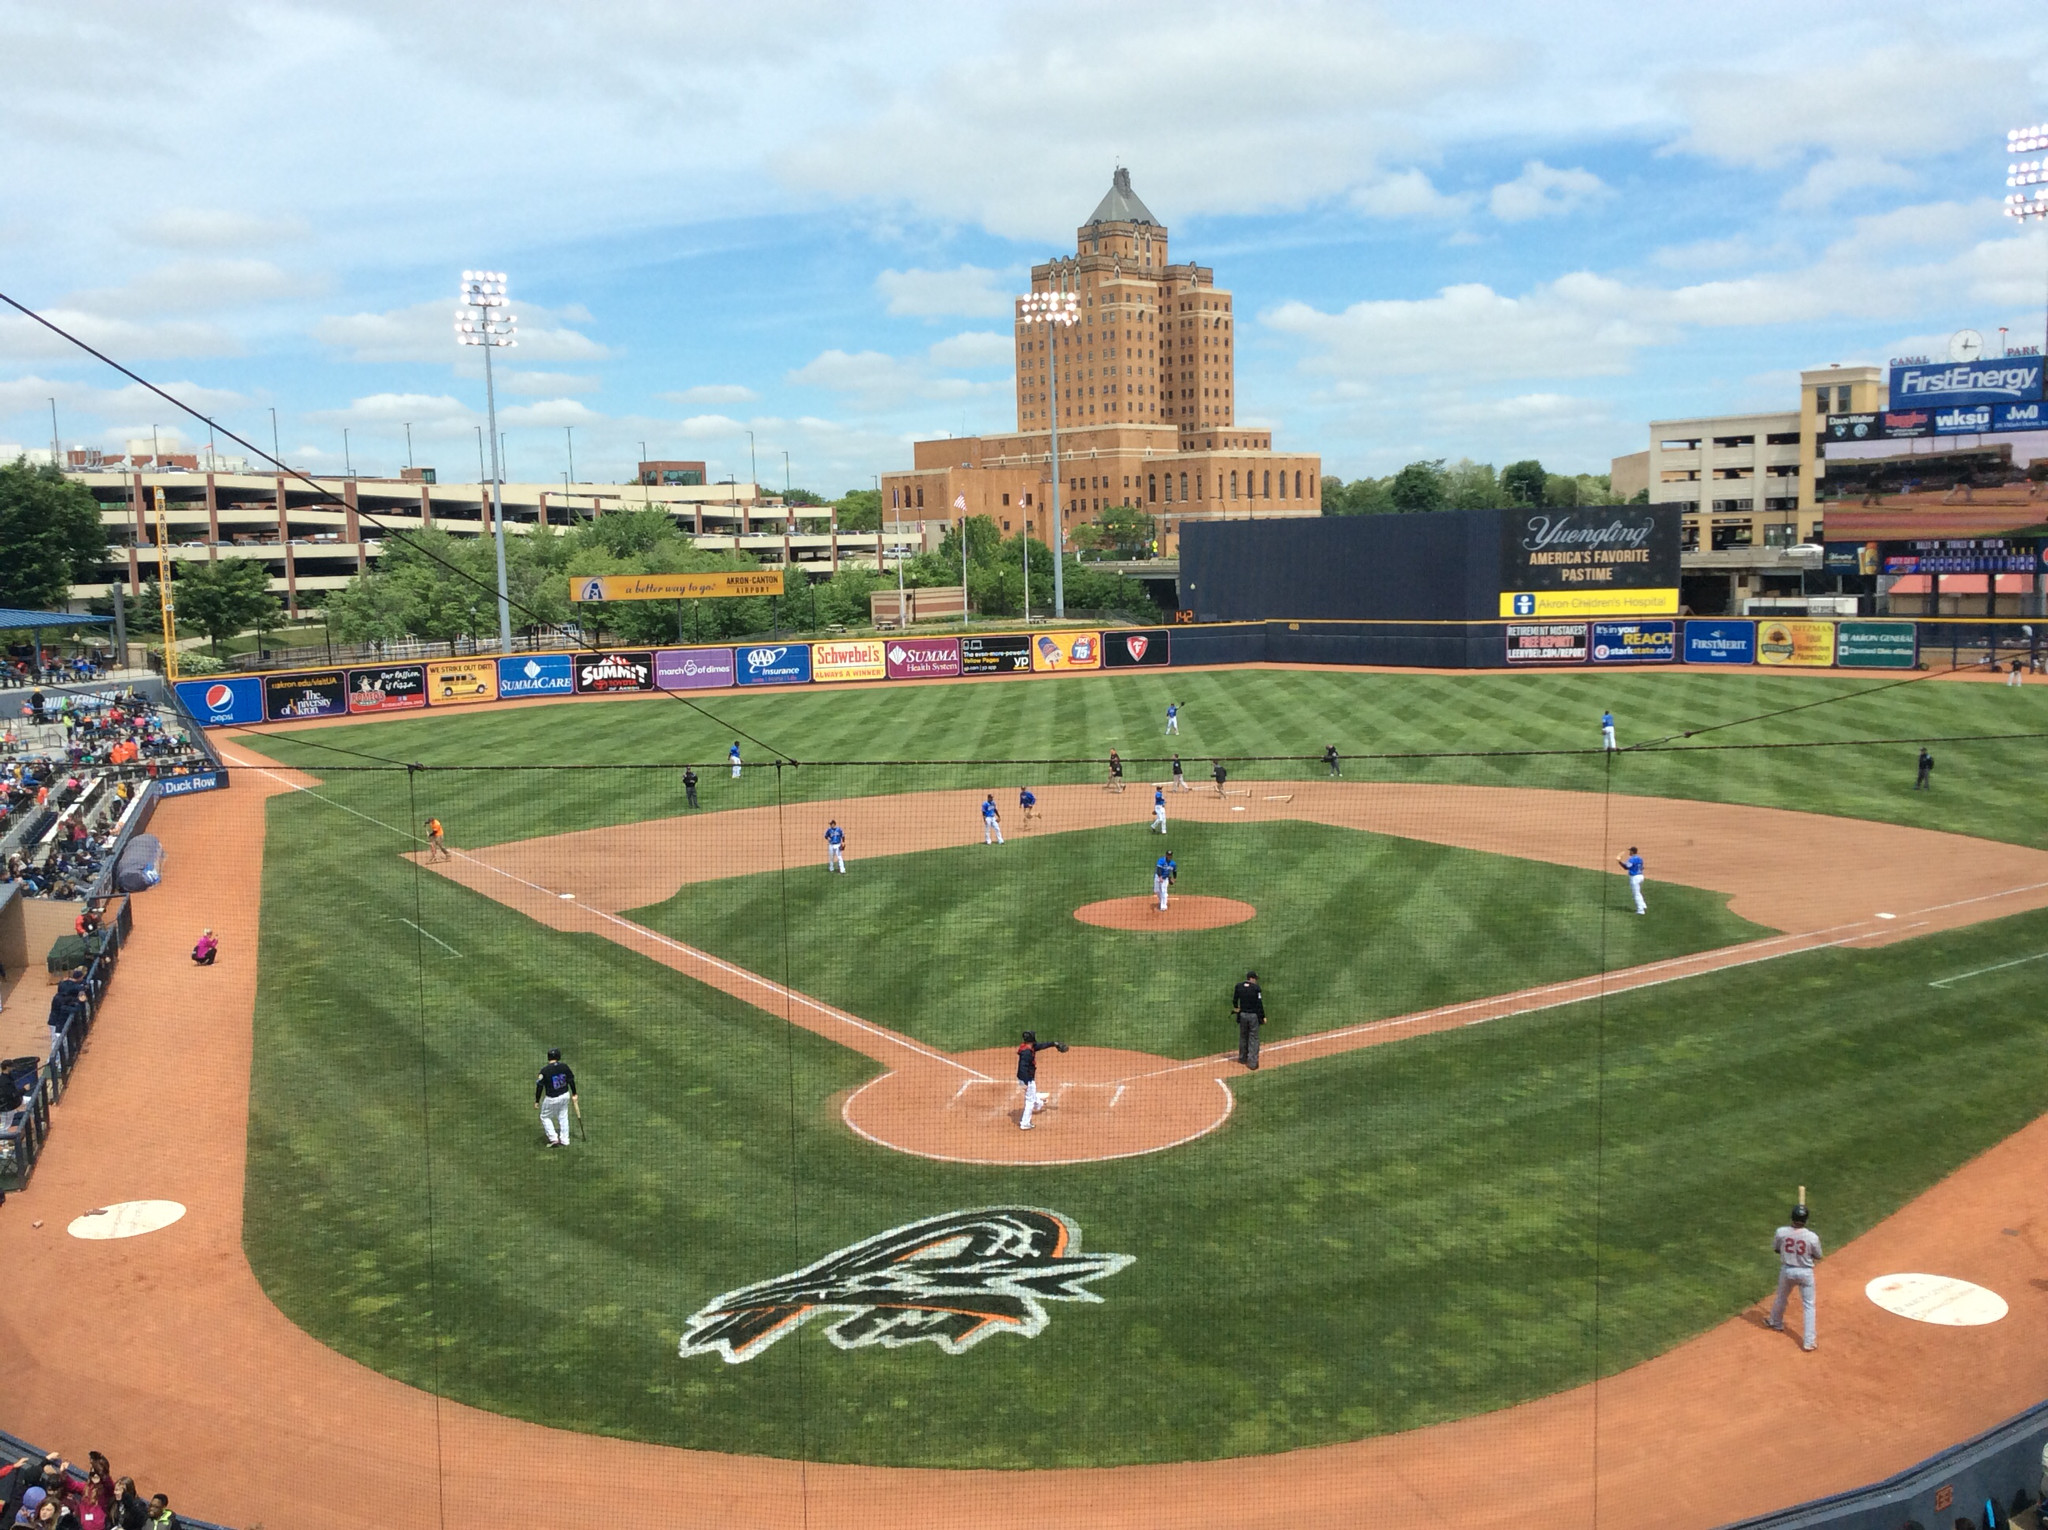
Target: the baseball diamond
pixel 1503 1185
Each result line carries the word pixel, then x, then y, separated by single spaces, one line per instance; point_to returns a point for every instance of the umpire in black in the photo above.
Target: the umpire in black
pixel 1249 1005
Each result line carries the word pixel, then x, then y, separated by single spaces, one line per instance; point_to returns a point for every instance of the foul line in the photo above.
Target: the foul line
pixel 1944 982
pixel 437 940
pixel 675 945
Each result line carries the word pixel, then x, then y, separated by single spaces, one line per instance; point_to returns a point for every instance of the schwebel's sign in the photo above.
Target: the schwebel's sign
pixel 2008 380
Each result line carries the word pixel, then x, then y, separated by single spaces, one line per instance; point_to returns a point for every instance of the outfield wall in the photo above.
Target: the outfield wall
pixel 1711 642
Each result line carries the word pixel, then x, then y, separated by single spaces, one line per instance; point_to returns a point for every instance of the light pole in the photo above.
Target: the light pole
pixel 55 453
pixel 408 444
pixel 488 325
pixel 1056 311
pixel 570 432
pixel 785 463
pixel 276 452
pixel 753 469
pixel 646 499
pixel 2018 204
pixel 348 465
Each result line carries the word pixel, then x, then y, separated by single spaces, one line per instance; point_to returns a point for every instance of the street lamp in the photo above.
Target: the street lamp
pixel 488 325
pixel 1056 311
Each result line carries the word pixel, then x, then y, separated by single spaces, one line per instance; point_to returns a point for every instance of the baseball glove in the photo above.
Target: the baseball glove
pixel 1062 1046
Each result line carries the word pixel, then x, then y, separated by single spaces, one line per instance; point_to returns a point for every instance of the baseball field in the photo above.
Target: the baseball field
pixel 1509 1136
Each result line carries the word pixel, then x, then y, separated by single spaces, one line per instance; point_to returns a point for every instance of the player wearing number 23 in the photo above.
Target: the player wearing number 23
pixel 1798 1250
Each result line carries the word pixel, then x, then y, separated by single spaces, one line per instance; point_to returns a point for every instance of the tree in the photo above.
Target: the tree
pixel 222 598
pixel 860 510
pixel 802 497
pixel 1418 486
pixel 982 541
pixel 50 536
pixel 1123 529
pixel 1470 485
pixel 1560 491
pixel 1524 482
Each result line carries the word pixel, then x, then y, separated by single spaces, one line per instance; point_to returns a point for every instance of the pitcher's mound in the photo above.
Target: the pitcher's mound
pixel 1189 913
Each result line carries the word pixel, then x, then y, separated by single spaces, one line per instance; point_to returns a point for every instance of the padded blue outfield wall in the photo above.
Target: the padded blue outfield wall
pixel 1846 643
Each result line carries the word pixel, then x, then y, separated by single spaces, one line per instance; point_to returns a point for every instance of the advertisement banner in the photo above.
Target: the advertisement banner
pixel 780 664
pixel 1590 602
pixel 1003 653
pixel 197 781
pixel 1806 644
pixel 540 674
pixel 1635 642
pixel 288 697
pixel 1547 643
pixel 848 659
pixel 1963 420
pixel 1902 425
pixel 719 586
pixel 2008 380
pixel 390 688
pixel 923 658
pixel 1877 645
pixel 1125 650
pixel 599 674
pixel 1594 560
pixel 1067 650
pixel 692 669
pixel 461 682
pixel 2032 416
pixel 223 703
pixel 1720 642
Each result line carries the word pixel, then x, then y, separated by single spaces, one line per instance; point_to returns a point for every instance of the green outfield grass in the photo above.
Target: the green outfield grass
pixel 1375 1241
pixel 1351 926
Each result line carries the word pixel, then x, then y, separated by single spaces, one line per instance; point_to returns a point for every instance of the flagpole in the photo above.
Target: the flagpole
pixel 960 504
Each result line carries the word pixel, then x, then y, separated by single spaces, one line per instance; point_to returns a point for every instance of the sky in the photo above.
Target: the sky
pixel 1503 231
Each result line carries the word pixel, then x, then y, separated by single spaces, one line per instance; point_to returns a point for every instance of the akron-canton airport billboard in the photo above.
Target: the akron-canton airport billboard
pixel 1595 560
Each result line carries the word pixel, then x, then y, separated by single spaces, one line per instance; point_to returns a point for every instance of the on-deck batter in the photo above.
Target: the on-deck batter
pixel 1798 1250
pixel 554 1093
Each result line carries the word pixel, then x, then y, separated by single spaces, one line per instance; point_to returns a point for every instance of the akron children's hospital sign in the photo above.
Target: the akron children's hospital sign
pixel 1594 560
pixel 722 585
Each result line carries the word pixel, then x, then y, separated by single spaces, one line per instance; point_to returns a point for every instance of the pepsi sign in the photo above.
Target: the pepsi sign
pixel 223 703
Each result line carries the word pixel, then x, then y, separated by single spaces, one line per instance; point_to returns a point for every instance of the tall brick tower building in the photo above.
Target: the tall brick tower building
pixel 1147 390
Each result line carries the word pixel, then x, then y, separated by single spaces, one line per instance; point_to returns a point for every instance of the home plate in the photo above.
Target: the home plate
pixel 1940 1299
pixel 126 1219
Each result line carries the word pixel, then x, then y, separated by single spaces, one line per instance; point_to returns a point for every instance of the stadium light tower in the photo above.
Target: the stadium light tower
pixel 2020 203
pixel 1056 311
pixel 482 321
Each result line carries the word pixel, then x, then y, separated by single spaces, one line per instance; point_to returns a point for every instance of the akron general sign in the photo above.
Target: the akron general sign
pixel 674 586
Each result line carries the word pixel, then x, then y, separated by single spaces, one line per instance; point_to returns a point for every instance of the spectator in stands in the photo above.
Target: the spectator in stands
pixel 206 950
pixel 69 1003
pixel 96 1500
pixel 131 1509
pixel 88 921
pixel 160 1515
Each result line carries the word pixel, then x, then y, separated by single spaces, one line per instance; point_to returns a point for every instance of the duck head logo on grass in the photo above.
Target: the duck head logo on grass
pixel 952 1280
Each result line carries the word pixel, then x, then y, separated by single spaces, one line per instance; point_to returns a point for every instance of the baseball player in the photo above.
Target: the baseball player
pixel 1632 863
pixel 1027 1074
pixel 1607 731
pixel 690 785
pixel 1249 1005
pixel 1221 774
pixel 1173 717
pixel 1924 781
pixel 554 1093
pixel 732 757
pixel 991 821
pixel 1115 782
pixel 1159 809
pixel 1798 1250
pixel 437 845
pixel 1163 874
pixel 1330 759
pixel 1027 802
pixel 1180 779
pixel 835 847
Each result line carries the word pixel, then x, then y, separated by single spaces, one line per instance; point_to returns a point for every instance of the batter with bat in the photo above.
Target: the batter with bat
pixel 554 1095
pixel 1798 1251
pixel 1027 1073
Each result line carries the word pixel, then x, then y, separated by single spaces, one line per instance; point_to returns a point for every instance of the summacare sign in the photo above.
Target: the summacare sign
pixel 1592 560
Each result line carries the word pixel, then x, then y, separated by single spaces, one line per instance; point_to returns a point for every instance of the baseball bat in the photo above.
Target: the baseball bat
pixel 578 1104
pixel 1802 1197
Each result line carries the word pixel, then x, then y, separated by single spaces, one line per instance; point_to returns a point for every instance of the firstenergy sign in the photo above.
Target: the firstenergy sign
pixel 2010 379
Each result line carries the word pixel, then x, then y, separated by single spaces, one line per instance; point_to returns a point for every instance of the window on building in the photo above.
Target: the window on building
pixel 1183 486
pixel 1169 488
pixel 1738 535
pixel 1006 499
pixel 1782 438
pixel 1842 399
pixel 1779 536
pixel 1233 483
pixel 920 496
pixel 1269 485
pixel 1735 440
pixel 1820 400
pixel 1152 488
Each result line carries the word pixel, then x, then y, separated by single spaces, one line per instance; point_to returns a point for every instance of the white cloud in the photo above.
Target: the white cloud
pixel 427 413
pixel 195 286
pixel 873 380
pixel 24 339
pixel 1918 98
pixel 1406 194
pixel 553 412
pixel 1543 191
pixel 537 384
pixel 713 393
pixel 426 332
pixel 1829 180
pixel 33 394
pixel 974 349
pixel 1533 413
pixel 971 292
pixel 197 228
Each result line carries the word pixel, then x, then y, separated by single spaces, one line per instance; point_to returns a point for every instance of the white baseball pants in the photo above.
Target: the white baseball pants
pixel 554 1117
pixel 835 858
pixel 1159 816
pixel 991 831
pixel 1635 885
pixel 1788 1277
pixel 1159 885
pixel 1033 1102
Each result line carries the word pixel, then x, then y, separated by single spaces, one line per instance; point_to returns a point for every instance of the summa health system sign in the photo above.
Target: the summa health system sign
pixel 1595 560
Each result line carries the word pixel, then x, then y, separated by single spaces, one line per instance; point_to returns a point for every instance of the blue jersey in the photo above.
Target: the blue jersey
pixel 988 808
pixel 733 754
pixel 1606 719
pixel 1159 796
pixel 1173 711
pixel 1026 799
pixel 1634 865
pixel 1164 867
pixel 835 835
